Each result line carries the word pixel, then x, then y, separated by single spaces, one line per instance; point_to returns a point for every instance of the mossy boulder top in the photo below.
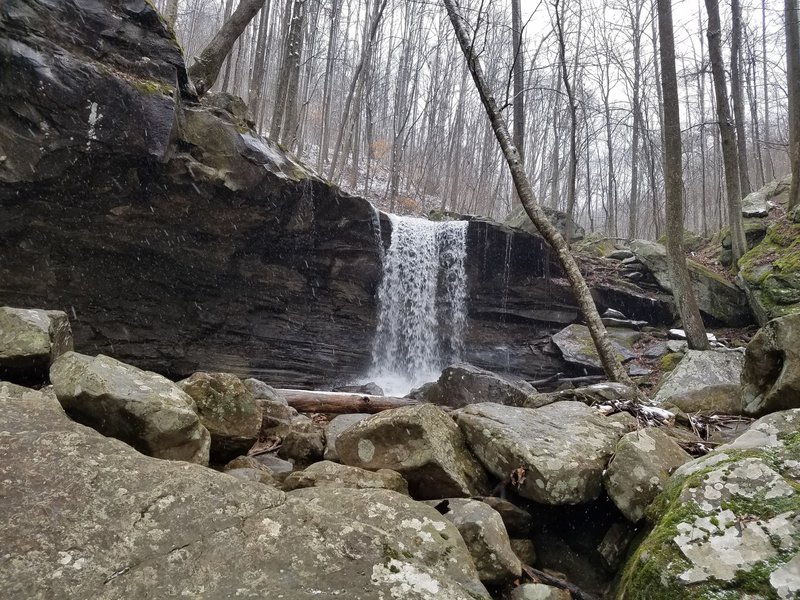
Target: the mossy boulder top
pixel 30 340
pixel 727 524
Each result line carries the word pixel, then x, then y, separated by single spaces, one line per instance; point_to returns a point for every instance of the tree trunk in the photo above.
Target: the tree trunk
pixel 341 402
pixel 611 364
pixel 295 46
pixel 171 12
pixel 737 97
pixel 682 290
pixel 793 84
pixel 260 63
pixel 205 70
pixel 356 83
pixel 519 82
pixel 727 134
pixel 322 158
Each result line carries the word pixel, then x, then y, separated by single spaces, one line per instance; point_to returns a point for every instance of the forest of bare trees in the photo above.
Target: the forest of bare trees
pixel 376 96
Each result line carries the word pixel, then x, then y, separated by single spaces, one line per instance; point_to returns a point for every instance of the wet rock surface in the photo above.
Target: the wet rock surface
pixel 463 384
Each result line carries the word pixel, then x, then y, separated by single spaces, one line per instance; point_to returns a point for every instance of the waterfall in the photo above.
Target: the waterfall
pixel 422 303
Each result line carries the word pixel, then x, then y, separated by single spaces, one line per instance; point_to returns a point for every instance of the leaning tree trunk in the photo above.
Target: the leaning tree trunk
pixel 727 135
pixel 611 364
pixel 171 12
pixel 205 70
pixel 673 183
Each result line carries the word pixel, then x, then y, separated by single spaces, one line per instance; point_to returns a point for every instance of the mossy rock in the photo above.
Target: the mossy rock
pixel 691 241
pixel 771 272
pixel 670 361
pixel 755 229
pixel 724 526
pixel 595 244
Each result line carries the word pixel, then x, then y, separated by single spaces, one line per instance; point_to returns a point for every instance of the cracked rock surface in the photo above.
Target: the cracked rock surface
pixel 86 516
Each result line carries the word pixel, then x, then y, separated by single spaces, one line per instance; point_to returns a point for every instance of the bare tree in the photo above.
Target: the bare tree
pixel 682 290
pixel 205 70
pixel 793 82
pixel 613 368
pixel 736 96
pixel 726 132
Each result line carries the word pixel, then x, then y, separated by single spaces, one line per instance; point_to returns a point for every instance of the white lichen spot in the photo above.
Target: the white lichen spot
pixel 94 118
pixel 404 579
pixel 366 450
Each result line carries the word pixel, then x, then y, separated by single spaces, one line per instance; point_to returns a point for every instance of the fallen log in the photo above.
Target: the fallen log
pixel 309 401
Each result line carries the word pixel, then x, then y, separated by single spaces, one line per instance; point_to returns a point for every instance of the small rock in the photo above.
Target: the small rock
pixel 524 549
pixel 614 546
pixel 463 384
pixel 257 475
pixel 423 444
pixel 635 370
pixel 279 468
pixel 613 314
pixel 327 473
pixel 483 531
pixel 642 463
pixel 304 445
pixel 620 255
pixel 262 391
pixel 539 591
pixel 518 522
pixel 657 350
pixel 371 389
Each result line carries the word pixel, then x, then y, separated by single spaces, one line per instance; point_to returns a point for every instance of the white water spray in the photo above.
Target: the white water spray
pixel 422 303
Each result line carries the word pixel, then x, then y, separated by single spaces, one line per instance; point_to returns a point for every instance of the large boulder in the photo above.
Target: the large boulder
pixel 577 347
pixel 699 369
pixel 718 399
pixel 423 444
pixel 642 463
pixel 335 428
pixel 483 531
pixel 462 384
pixel 726 525
pixel 327 473
pixel 770 272
pixel 30 340
pixel 716 297
pixel 771 373
pixel 141 408
pixel 562 448
pixel 122 525
pixel 228 410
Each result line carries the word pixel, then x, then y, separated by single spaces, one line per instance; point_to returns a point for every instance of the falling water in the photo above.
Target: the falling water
pixel 422 303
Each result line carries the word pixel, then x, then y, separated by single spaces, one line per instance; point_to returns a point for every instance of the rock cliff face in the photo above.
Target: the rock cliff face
pixel 179 240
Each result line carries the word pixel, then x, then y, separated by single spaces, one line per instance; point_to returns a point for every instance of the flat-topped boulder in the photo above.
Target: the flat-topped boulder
pixel 423 444
pixel 122 525
pixel 30 340
pixel 141 408
pixel 462 384
pixel 699 369
pixel 562 448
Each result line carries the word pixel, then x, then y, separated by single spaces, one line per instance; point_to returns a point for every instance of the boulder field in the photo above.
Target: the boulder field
pixel 107 493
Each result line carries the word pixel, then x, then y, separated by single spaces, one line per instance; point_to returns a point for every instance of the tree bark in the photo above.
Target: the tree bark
pixel 519 82
pixel 682 290
pixel 793 84
pixel 171 12
pixel 726 132
pixel 205 70
pixel 611 364
pixel 737 97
